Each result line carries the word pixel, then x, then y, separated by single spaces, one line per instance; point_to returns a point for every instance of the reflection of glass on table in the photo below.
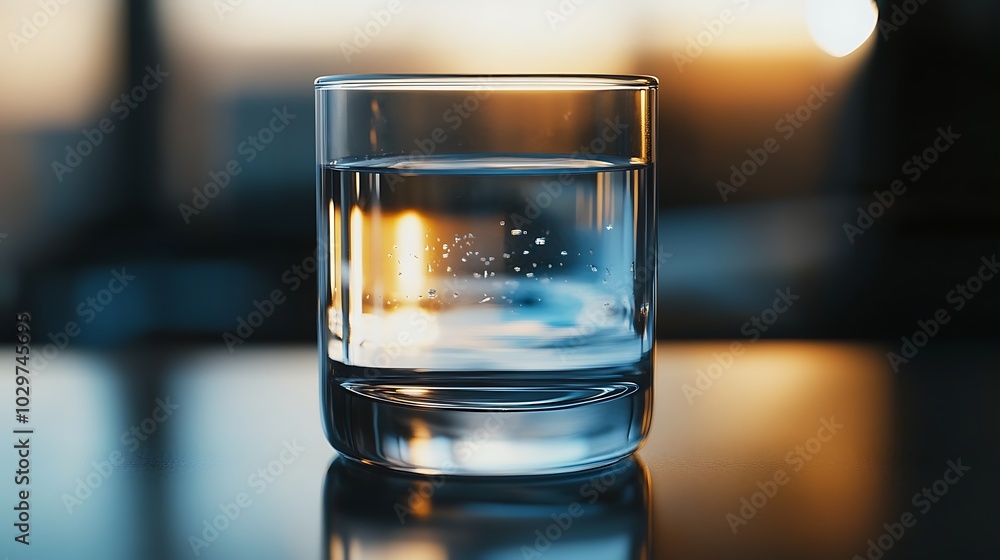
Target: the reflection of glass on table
pixel 601 514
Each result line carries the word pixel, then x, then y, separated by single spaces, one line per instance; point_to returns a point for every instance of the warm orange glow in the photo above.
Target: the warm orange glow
pixel 732 104
pixel 420 506
pixel 334 253
pixel 336 548
pixel 409 259
pixel 356 278
pixel 749 413
pixel 411 550
pixel 422 452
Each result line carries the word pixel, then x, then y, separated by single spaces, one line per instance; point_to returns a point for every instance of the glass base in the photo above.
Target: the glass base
pixel 515 429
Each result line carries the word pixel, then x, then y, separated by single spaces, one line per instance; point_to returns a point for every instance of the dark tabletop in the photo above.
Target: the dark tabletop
pixel 781 450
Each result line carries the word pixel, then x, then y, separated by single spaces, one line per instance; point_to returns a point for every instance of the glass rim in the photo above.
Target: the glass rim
pixel 504 82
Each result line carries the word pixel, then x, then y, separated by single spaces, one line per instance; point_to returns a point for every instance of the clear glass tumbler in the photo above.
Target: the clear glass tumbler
pixel 487 287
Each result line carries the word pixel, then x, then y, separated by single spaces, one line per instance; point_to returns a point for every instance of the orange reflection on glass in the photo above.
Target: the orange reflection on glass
pixel 356 259
pixel 409 243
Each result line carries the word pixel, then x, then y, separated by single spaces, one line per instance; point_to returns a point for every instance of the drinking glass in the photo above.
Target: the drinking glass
pixel 488 268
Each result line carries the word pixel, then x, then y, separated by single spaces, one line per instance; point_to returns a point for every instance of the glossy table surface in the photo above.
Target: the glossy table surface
pixel 770 450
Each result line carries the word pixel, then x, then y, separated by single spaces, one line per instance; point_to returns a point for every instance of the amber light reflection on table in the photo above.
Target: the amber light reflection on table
pixel 707 454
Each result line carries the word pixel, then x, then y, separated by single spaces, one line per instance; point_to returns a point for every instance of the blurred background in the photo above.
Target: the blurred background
pixel 158 179
pixel 115 113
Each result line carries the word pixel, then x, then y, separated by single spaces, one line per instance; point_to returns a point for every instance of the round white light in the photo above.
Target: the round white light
pixel 839 27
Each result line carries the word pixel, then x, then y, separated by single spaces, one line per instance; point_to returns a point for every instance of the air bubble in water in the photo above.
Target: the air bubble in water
pixel 593 268
pixel 432 294
pixel 539 241
pixel 563 253
pixel 516 231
